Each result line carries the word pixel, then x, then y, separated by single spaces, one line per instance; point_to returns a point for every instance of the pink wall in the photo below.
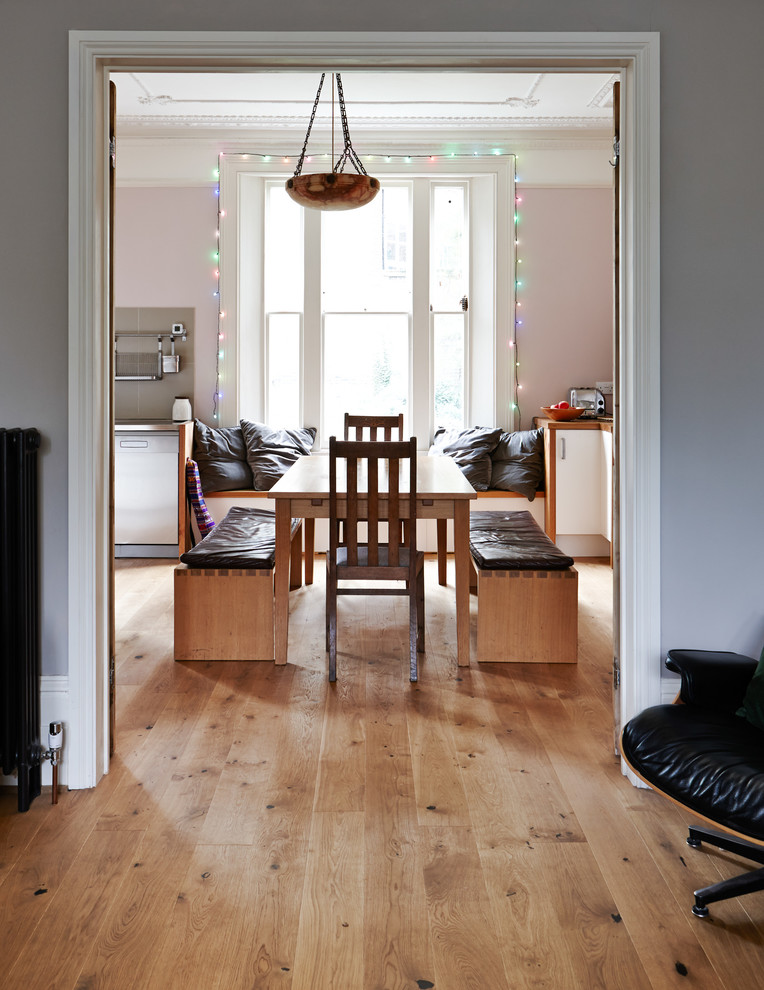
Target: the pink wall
pixel 164 240
pixel 566 294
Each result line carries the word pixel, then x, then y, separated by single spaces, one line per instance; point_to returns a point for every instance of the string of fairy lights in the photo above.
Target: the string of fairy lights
pixel 406 159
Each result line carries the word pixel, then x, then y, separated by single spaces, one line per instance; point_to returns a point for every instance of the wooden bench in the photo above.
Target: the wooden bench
pixel 527 591
pixel 223 604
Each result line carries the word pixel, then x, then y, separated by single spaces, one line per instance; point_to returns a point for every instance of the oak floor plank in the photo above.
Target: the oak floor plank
pixel 398 951
pixel 465 943
pixel 41 867
pixel 77 905
pixel 135 920
pixel 557 919
pixel 512 790
pixel 260 946
pixel 191 954
pixel 330 941
pixel 342 763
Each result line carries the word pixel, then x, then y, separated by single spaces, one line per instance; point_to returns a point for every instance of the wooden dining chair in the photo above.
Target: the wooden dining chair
pixel 373 494
pixel 374 424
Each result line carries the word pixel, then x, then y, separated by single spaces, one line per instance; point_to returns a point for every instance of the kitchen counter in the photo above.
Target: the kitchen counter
pixel 160 425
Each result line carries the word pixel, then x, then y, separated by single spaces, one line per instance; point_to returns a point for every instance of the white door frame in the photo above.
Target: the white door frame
pixel 93 53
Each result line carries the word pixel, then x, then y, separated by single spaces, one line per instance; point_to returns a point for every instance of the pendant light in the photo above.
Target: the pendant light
pixel 335 190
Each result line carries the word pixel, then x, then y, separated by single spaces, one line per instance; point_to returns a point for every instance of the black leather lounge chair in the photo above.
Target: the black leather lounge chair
pixel 705 752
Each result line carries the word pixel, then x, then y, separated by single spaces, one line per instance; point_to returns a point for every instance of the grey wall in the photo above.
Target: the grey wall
pixel 712 215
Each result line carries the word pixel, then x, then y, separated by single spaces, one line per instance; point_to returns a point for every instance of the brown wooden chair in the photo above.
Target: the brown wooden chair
pixel 387 424
pixel 373 494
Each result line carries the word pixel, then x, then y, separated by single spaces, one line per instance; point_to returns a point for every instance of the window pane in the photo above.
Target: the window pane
pixel 448 344
pixel 365 368
pixel 365 255
pixel 282 251
pixel 448 247
pixel 284 370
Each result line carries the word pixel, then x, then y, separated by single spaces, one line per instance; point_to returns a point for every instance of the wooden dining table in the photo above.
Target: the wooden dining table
pixel 443 493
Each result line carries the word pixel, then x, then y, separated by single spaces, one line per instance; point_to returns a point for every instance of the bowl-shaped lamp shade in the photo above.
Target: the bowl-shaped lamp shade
pixel 332 190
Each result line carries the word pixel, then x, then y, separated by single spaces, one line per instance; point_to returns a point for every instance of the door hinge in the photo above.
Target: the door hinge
pixel 111 672
pixel 113 152
pixel 616 152
pixel 616 674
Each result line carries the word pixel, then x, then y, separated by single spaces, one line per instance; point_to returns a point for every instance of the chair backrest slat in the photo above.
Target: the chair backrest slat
pixel 374 424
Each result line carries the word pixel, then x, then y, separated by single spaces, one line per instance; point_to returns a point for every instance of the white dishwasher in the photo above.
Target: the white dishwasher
pixel 146 493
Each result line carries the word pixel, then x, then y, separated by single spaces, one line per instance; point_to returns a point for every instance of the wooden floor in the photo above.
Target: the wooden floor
pixel 260 828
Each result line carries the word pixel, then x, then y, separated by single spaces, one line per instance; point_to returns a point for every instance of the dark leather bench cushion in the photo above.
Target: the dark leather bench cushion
pixel 245 538
pixel 711 762
pixel 513 541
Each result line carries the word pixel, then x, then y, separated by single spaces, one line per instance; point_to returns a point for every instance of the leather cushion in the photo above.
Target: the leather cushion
pixel 471 449
pixel 222 458
pixel 517 463
pixel 270 452
pixel 513 541
pixel 710 762
pixel 245 538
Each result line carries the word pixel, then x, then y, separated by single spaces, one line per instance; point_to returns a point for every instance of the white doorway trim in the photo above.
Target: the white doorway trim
pixel 93 53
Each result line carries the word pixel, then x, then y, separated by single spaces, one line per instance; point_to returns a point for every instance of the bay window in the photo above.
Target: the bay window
pixel 404 305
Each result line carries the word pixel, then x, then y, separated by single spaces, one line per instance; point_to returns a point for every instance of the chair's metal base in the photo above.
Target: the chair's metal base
pixel 746 883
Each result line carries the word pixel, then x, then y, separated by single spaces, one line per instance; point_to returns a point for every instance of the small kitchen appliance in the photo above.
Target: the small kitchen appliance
pixel 591 399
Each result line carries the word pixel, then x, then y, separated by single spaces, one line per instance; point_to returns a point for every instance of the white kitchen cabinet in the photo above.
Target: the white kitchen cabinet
pixel 578 513
pixel 578 456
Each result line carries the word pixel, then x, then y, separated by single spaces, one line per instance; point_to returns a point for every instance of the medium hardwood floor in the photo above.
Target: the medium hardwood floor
pixel 260 828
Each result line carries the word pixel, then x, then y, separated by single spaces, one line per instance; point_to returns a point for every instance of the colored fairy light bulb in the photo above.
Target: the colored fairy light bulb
pixel 266 158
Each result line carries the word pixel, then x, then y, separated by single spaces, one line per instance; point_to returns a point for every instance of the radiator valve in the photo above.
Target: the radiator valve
pixel 53 753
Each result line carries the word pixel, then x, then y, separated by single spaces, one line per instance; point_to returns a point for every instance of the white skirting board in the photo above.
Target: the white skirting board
pixel 54 707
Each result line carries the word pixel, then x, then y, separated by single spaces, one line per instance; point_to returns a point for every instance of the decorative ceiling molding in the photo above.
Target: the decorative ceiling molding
pixel 359 123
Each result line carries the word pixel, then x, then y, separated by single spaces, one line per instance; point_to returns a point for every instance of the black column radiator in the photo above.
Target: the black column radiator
pixel 20 749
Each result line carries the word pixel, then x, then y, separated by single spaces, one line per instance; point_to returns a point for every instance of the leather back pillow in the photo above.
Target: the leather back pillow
pixel 471 449
pixel 518 463
pixel 270 453
pixel 222 458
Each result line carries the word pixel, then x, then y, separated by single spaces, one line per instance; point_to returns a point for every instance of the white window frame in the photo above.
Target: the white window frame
pixel 243 184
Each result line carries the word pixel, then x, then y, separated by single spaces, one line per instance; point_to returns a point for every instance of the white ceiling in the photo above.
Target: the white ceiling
pixel 187 103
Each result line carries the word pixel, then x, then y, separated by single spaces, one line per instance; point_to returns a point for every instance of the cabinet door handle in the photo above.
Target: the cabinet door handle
pixel 562 448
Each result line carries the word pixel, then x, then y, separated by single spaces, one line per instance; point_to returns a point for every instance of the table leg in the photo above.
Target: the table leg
pixel 310 548
pixel 281 582
pixel 462 571
pixel 442 545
